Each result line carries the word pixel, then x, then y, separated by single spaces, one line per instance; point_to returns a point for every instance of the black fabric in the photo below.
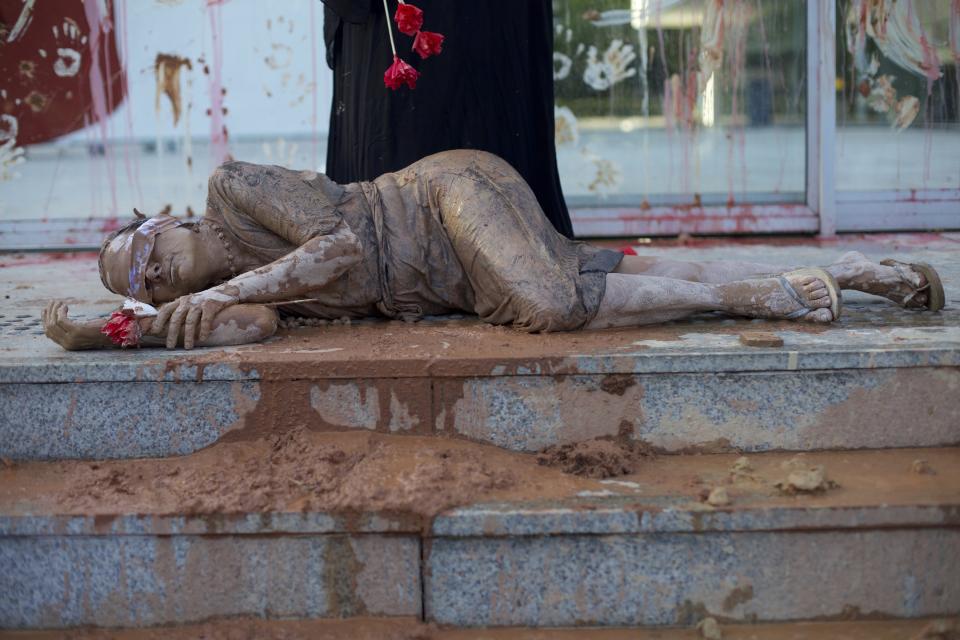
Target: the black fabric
pixel 490 89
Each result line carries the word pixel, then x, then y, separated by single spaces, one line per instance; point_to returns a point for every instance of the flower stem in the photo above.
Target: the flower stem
pixel 386 10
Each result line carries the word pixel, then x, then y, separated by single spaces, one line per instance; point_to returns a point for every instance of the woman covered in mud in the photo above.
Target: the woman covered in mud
pixel 458 231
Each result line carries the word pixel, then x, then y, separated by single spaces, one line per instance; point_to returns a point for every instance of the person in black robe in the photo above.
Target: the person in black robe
pixel 490 89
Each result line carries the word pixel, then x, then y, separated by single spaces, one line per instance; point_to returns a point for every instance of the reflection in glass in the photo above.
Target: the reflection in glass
pixel 897 104
pixel 680 101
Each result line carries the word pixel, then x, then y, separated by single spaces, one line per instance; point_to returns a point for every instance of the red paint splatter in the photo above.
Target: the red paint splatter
pixel 218 131
pixel 101 94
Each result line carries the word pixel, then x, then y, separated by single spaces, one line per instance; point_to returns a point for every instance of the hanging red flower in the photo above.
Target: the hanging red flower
pixel 409 18
pixel 400 73
pixel 428 43
pixel 122 329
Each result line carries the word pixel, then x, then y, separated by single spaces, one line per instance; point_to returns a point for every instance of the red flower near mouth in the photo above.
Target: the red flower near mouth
pixel 409 18
pixel 427 43
pixel 400 73
pixel 122 329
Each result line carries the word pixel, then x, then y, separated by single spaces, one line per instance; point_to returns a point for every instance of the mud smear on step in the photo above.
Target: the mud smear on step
pixel 411 478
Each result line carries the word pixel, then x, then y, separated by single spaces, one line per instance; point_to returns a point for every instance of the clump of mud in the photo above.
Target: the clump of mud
pixel 939 630
pixel 922 467
pixel 709 629
pixel 597 458
pixel 804 478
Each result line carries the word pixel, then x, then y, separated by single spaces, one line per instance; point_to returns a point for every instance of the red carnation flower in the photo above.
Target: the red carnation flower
pixel 628 251
pixel 122 329
pixel 400 73
pixel 427 43
pixel 409 18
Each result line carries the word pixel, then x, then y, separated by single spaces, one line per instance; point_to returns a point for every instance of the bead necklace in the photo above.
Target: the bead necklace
pixel 227 245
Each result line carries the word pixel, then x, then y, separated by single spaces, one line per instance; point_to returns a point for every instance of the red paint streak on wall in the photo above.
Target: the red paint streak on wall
pixel 47 258
pixel 130 161
pixel 738 30
pixel 101 93
pixel 218 130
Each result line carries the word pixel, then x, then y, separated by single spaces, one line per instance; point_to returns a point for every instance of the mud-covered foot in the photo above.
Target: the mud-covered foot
pixel 809 295
pixel 899 282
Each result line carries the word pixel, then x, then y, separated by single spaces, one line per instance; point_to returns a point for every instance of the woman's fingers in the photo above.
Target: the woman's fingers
pixel 163 316
pixel 190 327
pixel 206 322
pixel 176 321
pixel 51 326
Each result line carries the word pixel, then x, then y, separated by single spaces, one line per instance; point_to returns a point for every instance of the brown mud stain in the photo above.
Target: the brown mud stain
pixel 37 101
pixel 738 596
pixel 617 383
pixel 166 68
pixel 340 570
pixel 598 458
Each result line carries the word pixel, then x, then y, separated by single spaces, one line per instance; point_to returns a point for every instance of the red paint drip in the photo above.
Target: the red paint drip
pixel 99 97
pixel 219 147
pixel 131 161
pixel 667 93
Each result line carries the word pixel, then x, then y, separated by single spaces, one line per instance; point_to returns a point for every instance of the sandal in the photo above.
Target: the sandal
pixel 934 287
pixel 832 287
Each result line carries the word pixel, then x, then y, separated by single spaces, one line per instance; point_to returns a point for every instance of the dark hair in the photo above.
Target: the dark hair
pixel 130 226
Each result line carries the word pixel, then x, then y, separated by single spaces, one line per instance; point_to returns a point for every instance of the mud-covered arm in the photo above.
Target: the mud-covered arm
pixel 319 261
pixel 239 324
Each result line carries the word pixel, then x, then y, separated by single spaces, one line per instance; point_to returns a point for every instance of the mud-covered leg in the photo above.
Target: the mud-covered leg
pixel 852 271
pixel 639 300
pixel 709 272
pixel 902 285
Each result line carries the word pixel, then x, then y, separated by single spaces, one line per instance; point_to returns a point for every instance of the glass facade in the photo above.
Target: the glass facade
pixel 202 82
pixel 898 83
pixel 693 113
pixel 680 101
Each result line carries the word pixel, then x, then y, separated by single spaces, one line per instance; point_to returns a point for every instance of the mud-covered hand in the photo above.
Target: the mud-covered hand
pixel 192 313
pixel 67 333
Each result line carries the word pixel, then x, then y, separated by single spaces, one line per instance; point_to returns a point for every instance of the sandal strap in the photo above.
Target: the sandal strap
pixel 901 269
pixel 804 308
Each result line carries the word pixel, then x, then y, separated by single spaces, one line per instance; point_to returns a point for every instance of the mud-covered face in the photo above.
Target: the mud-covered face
pixel 175 266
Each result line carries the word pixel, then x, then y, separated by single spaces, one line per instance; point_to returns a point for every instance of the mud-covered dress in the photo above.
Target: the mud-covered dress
pixel 456 231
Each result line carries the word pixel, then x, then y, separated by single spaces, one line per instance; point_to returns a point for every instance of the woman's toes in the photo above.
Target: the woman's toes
pixel 822 292
pixel 819 315
pixel 820 302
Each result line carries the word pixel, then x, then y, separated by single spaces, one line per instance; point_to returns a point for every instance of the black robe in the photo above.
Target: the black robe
pixel 491 89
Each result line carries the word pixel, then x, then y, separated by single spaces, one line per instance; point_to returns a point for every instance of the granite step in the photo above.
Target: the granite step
pixel 677 388
pixel 881 539
pixel 402 628
pixel 879 377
